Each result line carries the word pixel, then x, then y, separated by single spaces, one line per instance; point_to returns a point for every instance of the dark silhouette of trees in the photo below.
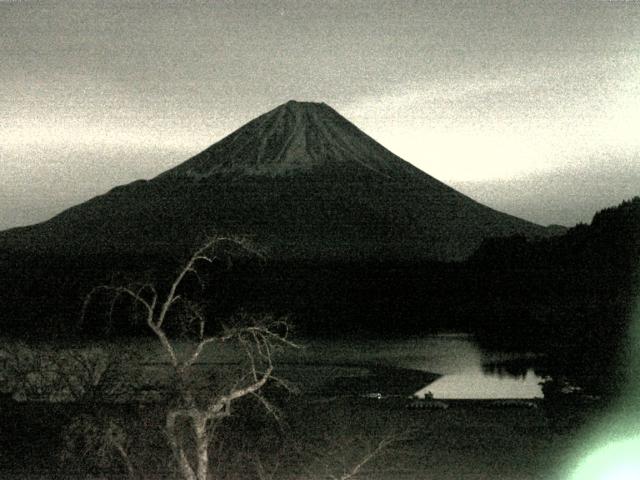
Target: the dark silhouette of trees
pixel 571 296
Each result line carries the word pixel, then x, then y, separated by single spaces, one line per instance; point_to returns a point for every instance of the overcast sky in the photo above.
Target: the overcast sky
pixel 530 107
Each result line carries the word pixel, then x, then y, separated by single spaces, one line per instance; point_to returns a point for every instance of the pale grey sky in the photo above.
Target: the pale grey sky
pixel 529 107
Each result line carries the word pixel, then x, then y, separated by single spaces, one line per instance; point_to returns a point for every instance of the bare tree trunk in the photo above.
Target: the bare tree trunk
pixel 202 446
pixel 125 459
pixel 179 453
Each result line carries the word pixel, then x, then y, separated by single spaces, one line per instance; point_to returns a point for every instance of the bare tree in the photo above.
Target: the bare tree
pixel 258 337
pixel 73 374
pixel 105 440
pixel 348 458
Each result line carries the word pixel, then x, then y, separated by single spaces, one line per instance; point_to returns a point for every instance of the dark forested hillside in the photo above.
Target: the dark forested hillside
pixel 572 293
pixel 572 296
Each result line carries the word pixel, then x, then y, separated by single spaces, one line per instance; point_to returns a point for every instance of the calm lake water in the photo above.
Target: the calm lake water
pixel 359 367
pixel 467 372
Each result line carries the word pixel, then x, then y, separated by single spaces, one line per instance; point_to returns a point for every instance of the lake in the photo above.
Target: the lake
pixel 446 366
pixel 466 372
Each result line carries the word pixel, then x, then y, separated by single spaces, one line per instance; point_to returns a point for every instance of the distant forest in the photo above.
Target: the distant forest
pixel 571 296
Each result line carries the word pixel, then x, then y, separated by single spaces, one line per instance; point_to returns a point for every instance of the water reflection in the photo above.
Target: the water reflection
pixel 479 386
pixel 487 375
pixel 466 372
pixel 513 369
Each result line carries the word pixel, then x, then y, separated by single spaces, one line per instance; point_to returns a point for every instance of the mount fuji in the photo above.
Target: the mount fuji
pixel 301 180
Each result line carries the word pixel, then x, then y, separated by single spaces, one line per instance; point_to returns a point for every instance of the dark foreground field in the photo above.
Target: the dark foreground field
pixel 97 411
pixel 314 438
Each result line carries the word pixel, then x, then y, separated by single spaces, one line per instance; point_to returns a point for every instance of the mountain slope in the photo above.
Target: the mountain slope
pixel 300 179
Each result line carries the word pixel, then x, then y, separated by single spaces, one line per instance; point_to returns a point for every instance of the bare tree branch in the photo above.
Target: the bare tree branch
pixel 258 336
pixel 197 352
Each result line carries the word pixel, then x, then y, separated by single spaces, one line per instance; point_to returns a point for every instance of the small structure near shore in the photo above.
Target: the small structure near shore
pixel 427 404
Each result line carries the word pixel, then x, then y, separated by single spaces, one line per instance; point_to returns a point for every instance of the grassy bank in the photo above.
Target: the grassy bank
pixel 469 440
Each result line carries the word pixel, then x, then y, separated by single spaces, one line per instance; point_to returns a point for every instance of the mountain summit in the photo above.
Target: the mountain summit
pixel 303 181
pixel 294 138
